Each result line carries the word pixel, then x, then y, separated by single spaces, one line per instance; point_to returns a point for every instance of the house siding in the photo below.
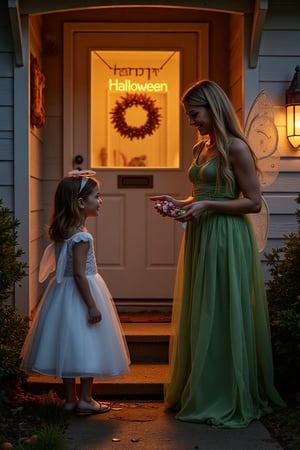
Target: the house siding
pixel 6 110
pixel 279 54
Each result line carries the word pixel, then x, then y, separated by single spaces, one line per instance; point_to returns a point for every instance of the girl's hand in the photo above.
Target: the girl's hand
pixel 193 211
pixel 94 314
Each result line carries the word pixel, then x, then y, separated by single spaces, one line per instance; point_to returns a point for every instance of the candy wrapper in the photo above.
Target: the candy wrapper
pixel 168 208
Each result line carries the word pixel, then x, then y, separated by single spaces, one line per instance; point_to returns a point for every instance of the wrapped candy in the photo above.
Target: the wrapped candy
pixel 168 208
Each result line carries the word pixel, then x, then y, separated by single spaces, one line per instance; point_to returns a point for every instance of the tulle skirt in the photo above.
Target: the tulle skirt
pixel 62 343
pixel 221 368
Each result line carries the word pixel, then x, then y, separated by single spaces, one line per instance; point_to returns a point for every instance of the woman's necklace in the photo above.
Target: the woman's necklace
pixel 210 145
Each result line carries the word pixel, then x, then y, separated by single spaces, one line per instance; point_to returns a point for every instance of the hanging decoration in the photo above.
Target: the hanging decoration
pixel 37 94
pixel 128 101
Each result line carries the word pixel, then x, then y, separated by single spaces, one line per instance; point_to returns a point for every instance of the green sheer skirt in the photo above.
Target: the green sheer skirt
pixel 221 369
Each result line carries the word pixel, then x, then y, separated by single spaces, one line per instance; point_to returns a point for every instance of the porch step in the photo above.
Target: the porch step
pixel 148 342
pixel 143 380
pixel 148 345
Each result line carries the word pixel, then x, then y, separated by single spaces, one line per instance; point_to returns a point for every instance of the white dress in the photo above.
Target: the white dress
pixel 61 342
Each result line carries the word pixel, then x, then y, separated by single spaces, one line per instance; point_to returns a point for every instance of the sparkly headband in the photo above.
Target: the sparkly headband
pixel 84 175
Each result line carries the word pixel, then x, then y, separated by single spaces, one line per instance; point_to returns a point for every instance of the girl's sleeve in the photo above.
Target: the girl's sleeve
pixel 62 259
pixel 82 236
pixel 48 263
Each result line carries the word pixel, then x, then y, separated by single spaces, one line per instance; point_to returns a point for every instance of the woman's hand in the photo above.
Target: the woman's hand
pixel 193 211
pixel 166 198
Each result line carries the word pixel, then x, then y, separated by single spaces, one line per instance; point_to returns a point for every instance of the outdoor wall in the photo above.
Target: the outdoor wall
pixel 6 110
pixel 279 54
pixel 235 63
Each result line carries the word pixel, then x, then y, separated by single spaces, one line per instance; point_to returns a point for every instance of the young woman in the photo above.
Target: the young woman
pixel 221 368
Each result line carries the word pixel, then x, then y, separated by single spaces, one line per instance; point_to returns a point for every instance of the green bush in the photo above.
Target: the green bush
pixel 13 326
pixel 283 295
pixel 12 334
pixel 11 270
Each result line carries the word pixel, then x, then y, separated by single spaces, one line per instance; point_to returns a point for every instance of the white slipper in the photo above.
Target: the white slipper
pixel 70 406
pixel 92 408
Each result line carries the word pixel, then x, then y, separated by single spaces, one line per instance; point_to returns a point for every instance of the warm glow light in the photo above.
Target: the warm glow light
pixel 140 90
pixel 293 124
pixel 293 110
pixel 132 86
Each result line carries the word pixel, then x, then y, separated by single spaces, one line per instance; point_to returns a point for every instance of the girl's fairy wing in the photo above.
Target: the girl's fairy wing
pixel 61 262
pixel 262 135
pixel 48 263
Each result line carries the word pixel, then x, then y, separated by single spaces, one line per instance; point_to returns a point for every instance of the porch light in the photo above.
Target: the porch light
pixel 293 110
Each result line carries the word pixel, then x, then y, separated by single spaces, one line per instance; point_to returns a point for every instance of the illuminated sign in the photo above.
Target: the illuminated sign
pixel 128 85
pixel 135 71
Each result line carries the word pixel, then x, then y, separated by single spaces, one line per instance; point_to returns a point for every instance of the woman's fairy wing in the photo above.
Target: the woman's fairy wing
pixel 262 135
pixel 260 222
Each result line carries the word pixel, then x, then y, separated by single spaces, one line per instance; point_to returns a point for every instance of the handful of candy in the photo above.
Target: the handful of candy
pixel 168 208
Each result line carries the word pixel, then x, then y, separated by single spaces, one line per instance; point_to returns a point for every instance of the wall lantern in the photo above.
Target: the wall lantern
pixel 293 110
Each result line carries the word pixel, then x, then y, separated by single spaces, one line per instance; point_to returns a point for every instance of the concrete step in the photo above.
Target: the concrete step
pixel 148 342
pixel 143 380
pixel 148 346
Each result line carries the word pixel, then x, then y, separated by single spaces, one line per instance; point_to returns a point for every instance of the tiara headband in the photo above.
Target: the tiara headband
pixel 84 175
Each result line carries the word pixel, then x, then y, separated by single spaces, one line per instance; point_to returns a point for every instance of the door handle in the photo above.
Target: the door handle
pixel 78 160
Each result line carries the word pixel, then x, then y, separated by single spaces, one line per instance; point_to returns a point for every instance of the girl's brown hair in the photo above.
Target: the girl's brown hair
pixel 66 215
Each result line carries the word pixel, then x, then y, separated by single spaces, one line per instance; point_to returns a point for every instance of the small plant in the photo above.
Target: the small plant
pixel 11 270
pixel 284 307
pixel 48 438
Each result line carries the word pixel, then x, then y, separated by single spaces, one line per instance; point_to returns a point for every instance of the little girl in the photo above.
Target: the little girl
pixel 76 331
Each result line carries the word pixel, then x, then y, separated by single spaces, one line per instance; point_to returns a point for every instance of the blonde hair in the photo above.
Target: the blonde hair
pixel 66 214
pixel 210 95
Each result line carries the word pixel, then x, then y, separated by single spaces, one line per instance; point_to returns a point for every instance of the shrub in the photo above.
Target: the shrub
pixel 13 326
pixel 12 334
pixel 283 295
pixel 11 270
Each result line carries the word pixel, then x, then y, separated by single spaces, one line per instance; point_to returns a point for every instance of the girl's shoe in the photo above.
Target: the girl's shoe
pixel 92 408
pixel 70 406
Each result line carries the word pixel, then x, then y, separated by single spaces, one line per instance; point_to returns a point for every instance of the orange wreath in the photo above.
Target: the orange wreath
pixel 119 121
pixel 37 95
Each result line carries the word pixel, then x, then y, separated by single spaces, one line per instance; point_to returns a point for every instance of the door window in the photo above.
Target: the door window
pixel 134 107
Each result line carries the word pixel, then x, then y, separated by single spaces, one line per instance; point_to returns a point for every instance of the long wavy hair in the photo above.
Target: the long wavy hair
pixel 210 95
pixel 66 215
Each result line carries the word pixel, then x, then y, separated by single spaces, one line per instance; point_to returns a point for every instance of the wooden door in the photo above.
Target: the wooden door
pixel 136 249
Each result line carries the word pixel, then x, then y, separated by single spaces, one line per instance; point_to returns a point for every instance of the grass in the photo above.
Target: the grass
pixel 33 422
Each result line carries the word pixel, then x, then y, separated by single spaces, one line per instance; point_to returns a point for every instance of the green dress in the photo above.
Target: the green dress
pixel 221 370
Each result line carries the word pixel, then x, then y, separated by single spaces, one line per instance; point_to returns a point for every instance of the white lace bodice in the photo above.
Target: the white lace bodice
pixel 59 257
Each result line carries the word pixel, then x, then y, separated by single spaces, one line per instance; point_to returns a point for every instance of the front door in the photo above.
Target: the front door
pixel 141 69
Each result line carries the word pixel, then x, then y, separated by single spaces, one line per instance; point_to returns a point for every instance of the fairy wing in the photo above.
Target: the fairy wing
pixel 262 135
